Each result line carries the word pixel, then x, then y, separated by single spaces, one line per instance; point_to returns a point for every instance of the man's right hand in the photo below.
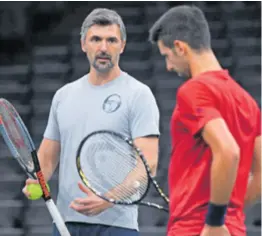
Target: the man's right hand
pixel 215 231
pixel 27 182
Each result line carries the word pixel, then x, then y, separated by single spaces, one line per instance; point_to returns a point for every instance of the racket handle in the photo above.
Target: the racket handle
pixel 60 224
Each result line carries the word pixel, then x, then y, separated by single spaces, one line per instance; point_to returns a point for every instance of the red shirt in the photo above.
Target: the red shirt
pixel 205 97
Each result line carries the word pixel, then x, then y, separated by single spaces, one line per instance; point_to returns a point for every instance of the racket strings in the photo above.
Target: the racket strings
pixel 15 134
pixel 101 150
pixel 113 168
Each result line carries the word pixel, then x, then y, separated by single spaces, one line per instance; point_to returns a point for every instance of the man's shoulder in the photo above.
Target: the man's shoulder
pixel 66 88
pixel 200 83
pixel 134 84
pixel 187 87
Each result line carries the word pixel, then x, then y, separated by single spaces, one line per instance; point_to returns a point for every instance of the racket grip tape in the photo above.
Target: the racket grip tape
pixel 40 176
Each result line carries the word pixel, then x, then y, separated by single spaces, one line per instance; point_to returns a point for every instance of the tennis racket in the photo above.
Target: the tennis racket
pixel 22 148
pixel 114 169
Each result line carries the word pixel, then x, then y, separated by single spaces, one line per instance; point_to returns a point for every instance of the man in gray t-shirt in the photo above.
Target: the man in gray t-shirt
pixel 106 98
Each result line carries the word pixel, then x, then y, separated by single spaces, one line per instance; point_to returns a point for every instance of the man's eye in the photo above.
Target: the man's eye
pixel 112 40
pixel 95 39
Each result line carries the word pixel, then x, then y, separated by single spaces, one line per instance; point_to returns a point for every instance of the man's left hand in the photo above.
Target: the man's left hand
pixel 91 205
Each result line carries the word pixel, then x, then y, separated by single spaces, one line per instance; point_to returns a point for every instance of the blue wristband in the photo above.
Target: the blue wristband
pixel 216 214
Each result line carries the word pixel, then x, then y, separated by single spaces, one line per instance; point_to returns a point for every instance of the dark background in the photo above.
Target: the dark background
pixel 40 52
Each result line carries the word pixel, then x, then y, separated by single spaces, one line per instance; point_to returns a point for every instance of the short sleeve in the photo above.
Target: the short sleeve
pixel 52 128
pixel 144 114
pixel 196 106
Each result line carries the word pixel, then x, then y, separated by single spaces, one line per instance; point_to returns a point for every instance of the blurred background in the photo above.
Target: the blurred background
pixel 40 52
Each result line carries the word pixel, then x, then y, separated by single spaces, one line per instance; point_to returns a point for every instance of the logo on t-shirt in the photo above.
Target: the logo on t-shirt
pixel 112 103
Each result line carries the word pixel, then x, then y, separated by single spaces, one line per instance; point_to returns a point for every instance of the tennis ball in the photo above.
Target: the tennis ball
pixel 35 191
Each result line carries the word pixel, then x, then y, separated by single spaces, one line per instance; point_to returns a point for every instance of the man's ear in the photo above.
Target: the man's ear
pixel 123 47
pixel 180 48
pixel 83 46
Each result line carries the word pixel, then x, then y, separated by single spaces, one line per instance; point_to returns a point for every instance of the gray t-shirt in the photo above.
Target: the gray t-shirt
pixel 123 105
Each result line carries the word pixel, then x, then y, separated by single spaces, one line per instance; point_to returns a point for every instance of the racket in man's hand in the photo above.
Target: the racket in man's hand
pixel 114 169
pixel 22 148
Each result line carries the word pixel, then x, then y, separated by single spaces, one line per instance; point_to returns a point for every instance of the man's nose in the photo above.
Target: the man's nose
pixel 103 46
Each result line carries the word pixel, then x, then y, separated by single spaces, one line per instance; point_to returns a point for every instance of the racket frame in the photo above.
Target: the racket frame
pixel 37 173
pixel 140 154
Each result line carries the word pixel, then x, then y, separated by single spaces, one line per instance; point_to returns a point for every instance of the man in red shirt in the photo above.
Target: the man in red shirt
pixel 215 131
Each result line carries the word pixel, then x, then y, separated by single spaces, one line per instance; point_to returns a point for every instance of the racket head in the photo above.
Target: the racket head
pixel 104 161
pixel 16 137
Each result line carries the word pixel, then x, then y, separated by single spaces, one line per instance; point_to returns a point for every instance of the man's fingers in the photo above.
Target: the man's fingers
pixel 28 182
pixel 84 189
pixel 80 208
pixel 31 181
pixel 77 207
pixel 26 193
pixel 81 201
pixel 84 206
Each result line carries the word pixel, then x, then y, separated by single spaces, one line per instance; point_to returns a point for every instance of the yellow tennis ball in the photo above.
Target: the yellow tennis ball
pixel 35 191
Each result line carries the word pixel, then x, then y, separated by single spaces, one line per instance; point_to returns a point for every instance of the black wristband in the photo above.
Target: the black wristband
pixel 216 214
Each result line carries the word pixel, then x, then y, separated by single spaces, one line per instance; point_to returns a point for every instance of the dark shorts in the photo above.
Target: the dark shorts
pixel 81 229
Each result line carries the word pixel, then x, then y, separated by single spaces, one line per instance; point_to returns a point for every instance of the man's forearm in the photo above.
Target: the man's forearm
pixel 253 190
pixel 48 156
pixel 47 167
pixel 254 186
pixel 224 168
pixel 223 175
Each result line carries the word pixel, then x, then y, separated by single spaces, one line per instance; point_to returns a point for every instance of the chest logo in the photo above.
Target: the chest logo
pixel 112 103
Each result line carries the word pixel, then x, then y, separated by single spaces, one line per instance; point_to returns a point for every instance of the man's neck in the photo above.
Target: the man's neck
pixel 203 62
pixel 97 78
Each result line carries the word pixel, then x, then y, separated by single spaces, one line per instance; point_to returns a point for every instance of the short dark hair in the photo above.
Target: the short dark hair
pixel 103 16
pixel 184 23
